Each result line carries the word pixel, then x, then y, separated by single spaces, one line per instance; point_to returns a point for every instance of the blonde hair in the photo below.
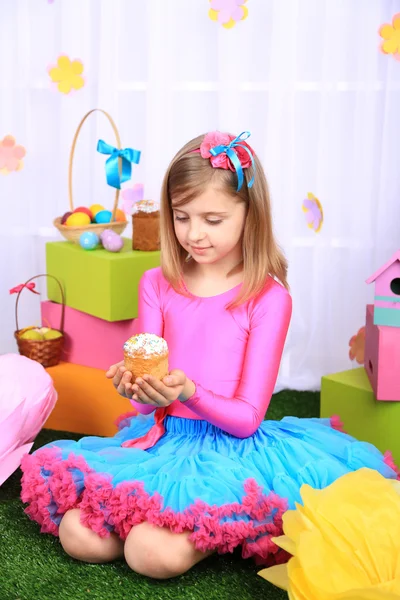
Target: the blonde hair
pixel 187 176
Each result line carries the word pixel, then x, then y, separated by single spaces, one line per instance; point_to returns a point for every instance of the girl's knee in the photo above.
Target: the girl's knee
pixel 146 554
pixel 71 534
pixel 84 544
pixel 154 564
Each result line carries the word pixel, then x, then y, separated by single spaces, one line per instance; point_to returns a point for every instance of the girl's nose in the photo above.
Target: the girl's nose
pixel 195 234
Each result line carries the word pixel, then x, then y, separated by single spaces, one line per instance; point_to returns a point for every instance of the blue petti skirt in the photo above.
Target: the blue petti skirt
pixel 226 491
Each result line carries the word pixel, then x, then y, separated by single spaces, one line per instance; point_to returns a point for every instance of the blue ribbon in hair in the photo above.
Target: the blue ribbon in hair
pixel 127 156
pixel 233 157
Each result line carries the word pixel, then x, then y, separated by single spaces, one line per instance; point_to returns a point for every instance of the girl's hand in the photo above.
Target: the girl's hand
pixel 122 379
pixel 149 390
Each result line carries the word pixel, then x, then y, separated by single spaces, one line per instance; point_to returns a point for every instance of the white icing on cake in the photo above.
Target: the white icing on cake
pixel 146 206
pixel 146 343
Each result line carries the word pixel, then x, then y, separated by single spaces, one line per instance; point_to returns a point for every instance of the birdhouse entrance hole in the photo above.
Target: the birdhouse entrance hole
pixel 395 286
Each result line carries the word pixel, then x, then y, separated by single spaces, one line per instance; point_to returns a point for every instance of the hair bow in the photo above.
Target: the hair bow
pixel 233 157
pixel 18 288
pixel 127 156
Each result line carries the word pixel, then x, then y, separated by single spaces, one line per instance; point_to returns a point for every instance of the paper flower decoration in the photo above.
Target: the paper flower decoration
pixel 11 155
pixel 67 74
pixel 228 12
pixel 130 196
pixel 345 541
pixel 357 346
pixel 391 37
pixel 314 213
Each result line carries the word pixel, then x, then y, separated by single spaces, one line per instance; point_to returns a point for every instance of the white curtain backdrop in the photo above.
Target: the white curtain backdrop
pixel 304 76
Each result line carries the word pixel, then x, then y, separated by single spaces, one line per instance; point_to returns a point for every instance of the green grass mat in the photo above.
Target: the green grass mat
pixel 34 567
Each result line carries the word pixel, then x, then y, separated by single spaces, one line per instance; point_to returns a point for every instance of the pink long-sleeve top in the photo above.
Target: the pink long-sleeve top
pixel 232 356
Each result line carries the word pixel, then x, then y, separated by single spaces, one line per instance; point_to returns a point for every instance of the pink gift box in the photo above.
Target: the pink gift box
pixel 89 341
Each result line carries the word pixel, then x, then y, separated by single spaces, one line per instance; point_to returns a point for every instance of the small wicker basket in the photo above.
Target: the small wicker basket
pixel 73 234
pixel 46 352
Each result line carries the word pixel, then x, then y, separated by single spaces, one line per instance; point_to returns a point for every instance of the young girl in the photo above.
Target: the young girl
pixel 202 472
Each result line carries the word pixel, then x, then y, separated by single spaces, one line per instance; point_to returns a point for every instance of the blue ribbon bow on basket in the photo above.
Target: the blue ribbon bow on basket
pixel 127 156
pixel 230 152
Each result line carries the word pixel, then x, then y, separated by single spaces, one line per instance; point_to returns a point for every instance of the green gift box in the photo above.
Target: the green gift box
pixel 349 394
pixel 97 282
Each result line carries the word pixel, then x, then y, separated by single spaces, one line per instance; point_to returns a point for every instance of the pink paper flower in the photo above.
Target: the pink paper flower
pixel 11 155
pixel 228 12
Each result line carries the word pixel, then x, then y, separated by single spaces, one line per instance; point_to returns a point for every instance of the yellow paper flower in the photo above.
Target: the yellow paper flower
pixel 67 74
pixel 357 346
pixel 11 155
pixel 345 541
pixel 228 12
pixel 391 37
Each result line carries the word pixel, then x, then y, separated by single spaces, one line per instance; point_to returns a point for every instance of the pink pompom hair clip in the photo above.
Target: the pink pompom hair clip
pixel 228 152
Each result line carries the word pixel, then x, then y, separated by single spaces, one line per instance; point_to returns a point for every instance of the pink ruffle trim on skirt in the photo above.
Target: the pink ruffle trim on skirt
pixel 389 461
pixel 104 507
pixel 336 423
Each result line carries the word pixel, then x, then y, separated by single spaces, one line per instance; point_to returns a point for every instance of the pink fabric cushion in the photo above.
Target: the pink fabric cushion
pixel 27 397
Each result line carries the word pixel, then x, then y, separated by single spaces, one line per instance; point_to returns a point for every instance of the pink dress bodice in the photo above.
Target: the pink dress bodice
pixel 232 356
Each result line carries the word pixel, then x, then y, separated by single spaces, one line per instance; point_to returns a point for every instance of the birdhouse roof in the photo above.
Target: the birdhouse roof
pixel 384 267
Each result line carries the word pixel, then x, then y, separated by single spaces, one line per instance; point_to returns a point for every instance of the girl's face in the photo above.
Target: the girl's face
pixel 210 227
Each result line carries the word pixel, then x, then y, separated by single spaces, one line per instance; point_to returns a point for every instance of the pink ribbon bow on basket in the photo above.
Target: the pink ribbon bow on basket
pixel 18 288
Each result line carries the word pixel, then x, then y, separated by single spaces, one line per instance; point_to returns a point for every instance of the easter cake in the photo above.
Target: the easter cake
pixel 146 354
pixel 146 226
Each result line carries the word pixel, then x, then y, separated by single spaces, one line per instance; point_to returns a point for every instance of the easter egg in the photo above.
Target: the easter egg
pixel 31 334
pixel 78 219
pixel 85 210
pixel 95 208
pixel 120 215
pixel 65 217
pixel 103 216
pixel 111 240
pixel 108 234
pixel 88 240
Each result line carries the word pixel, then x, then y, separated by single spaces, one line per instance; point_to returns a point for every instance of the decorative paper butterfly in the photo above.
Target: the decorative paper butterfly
pixel 130 196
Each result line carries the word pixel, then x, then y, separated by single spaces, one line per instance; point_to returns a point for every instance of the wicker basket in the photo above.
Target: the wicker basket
pixel 46 352
pixel 73 234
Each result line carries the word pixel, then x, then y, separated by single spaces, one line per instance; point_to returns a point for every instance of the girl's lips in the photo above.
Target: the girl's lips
pixel 199 250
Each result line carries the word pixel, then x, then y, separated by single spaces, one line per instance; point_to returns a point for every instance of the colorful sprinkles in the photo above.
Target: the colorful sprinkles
pixel 146 343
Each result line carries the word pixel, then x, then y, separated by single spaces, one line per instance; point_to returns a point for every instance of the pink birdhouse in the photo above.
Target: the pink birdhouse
pixel 382 332
pixel 387 292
